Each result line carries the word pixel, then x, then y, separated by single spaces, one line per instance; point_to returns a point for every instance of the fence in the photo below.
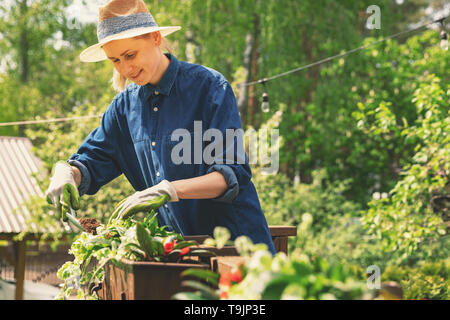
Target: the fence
pixel 42 263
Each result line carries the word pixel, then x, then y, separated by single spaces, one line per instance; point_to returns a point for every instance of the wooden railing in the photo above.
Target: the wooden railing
pixel 227 258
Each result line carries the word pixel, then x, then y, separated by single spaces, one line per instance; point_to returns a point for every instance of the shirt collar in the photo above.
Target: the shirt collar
pixel 167 81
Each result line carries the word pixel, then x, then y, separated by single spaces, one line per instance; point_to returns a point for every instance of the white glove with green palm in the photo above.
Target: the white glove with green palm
pixel 62 191
pixel 145 200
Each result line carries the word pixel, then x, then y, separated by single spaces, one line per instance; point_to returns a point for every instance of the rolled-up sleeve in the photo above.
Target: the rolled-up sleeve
pixel 85 176
pixel 97 155
pixel 230 179
pixel 224 116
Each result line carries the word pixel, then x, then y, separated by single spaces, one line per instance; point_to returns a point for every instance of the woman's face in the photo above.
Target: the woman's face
pixel 137 59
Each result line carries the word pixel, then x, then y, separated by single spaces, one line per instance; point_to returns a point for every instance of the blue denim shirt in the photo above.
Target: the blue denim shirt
pixel 136 137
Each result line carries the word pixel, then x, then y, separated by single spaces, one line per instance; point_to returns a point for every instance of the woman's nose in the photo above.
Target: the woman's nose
pixel 127 69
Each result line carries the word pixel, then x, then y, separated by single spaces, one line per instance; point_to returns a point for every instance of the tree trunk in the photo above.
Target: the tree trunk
pixel 23 54
pixel 243 92
pixel 23 42
pixel 253 73
pixel 293 167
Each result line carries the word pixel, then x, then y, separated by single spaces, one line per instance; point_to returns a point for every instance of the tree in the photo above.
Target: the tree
pixel 40 47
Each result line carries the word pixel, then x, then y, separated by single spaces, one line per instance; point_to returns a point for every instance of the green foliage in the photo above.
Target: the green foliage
pixel 361 107
pixel 263 276
pixel 430 280
pixel 221 237
pixel 408 221
pixel 345 242
pixel 39 52
pixel 374 122
pixel 296 277
pixel 284 202
pixel 122 239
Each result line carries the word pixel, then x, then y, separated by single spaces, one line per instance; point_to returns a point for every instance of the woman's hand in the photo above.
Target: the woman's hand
pixel 146 200
pixel 62 191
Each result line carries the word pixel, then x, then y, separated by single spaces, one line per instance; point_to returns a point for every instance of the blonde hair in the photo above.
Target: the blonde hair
pixel 118 81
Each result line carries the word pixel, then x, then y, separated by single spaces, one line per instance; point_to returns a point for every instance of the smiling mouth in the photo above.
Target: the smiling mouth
pixel 136 76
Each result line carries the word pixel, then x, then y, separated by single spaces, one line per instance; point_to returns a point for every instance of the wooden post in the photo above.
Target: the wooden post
pixel 280 236
pixel 226 264
pixel 19 268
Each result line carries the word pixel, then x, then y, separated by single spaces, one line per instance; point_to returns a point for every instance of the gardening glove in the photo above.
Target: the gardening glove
pixel 146 200
pixel 62 191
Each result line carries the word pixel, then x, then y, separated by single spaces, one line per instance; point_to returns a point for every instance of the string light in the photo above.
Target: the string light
pixel 265 103
pixel 444 40
pixel 444 36
pixel 265 107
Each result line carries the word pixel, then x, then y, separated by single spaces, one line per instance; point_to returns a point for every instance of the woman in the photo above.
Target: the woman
pixel 158 129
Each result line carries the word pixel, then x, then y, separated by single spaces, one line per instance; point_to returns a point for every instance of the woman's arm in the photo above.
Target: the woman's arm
pixel 76 175
pixel 209 186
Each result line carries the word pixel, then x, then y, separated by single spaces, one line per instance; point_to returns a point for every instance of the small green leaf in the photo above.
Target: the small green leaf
pixel 274 289
pixel 221 235
pixel 159 248
pixel 188 296
pixel 208 275
pixel 201 252
pixel 206 291
pixel 185 244
pixel 145 240
pixel 301 269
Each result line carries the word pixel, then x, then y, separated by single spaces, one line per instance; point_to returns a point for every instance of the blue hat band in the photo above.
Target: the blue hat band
pixel 119 24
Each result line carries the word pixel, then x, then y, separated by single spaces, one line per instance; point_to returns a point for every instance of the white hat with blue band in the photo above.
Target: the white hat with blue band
pixel 122 19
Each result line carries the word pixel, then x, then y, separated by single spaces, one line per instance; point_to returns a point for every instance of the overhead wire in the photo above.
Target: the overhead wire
pixel 260 81
pixel 340 55
pixel 19 123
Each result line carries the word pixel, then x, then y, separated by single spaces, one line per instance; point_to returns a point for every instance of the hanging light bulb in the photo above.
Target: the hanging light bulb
pixel 444 36
pixel 265 107
pixel 444 40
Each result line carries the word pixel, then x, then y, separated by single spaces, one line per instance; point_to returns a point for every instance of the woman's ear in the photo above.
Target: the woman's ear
pixel 157 38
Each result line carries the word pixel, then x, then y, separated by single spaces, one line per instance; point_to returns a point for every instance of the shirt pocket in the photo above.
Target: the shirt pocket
pixel 178 157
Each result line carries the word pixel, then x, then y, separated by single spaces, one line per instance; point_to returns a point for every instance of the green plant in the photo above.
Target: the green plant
pixel 121 239
pixel 264 276
pixel 408 221
pixel 346 243
pixel 430 280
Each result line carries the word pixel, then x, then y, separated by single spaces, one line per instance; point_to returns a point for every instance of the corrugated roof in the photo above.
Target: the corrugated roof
pixel 17 184
pixel 17 164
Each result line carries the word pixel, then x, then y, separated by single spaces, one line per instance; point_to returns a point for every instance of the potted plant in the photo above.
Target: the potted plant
pixel 259 275
pixel 128 259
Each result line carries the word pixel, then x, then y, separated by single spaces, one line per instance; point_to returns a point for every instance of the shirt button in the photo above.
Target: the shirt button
pixel 166 205
pixel 155 109
pixel 156 93
pixel 153 143
pixel 157 174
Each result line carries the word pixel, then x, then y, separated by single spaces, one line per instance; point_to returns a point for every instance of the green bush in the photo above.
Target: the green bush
pixel 430 280
pixel 409 221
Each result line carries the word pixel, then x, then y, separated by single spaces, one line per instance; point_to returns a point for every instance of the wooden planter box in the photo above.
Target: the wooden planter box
pixel 279 235
pixel 130 280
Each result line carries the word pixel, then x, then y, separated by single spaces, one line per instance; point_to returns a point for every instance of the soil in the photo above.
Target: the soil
pixel 89 225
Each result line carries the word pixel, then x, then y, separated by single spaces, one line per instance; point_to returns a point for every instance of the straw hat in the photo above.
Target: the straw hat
pixel 121 19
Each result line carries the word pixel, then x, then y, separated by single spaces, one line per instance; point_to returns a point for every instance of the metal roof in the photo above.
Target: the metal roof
pixel 17 164
pixel 17 184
